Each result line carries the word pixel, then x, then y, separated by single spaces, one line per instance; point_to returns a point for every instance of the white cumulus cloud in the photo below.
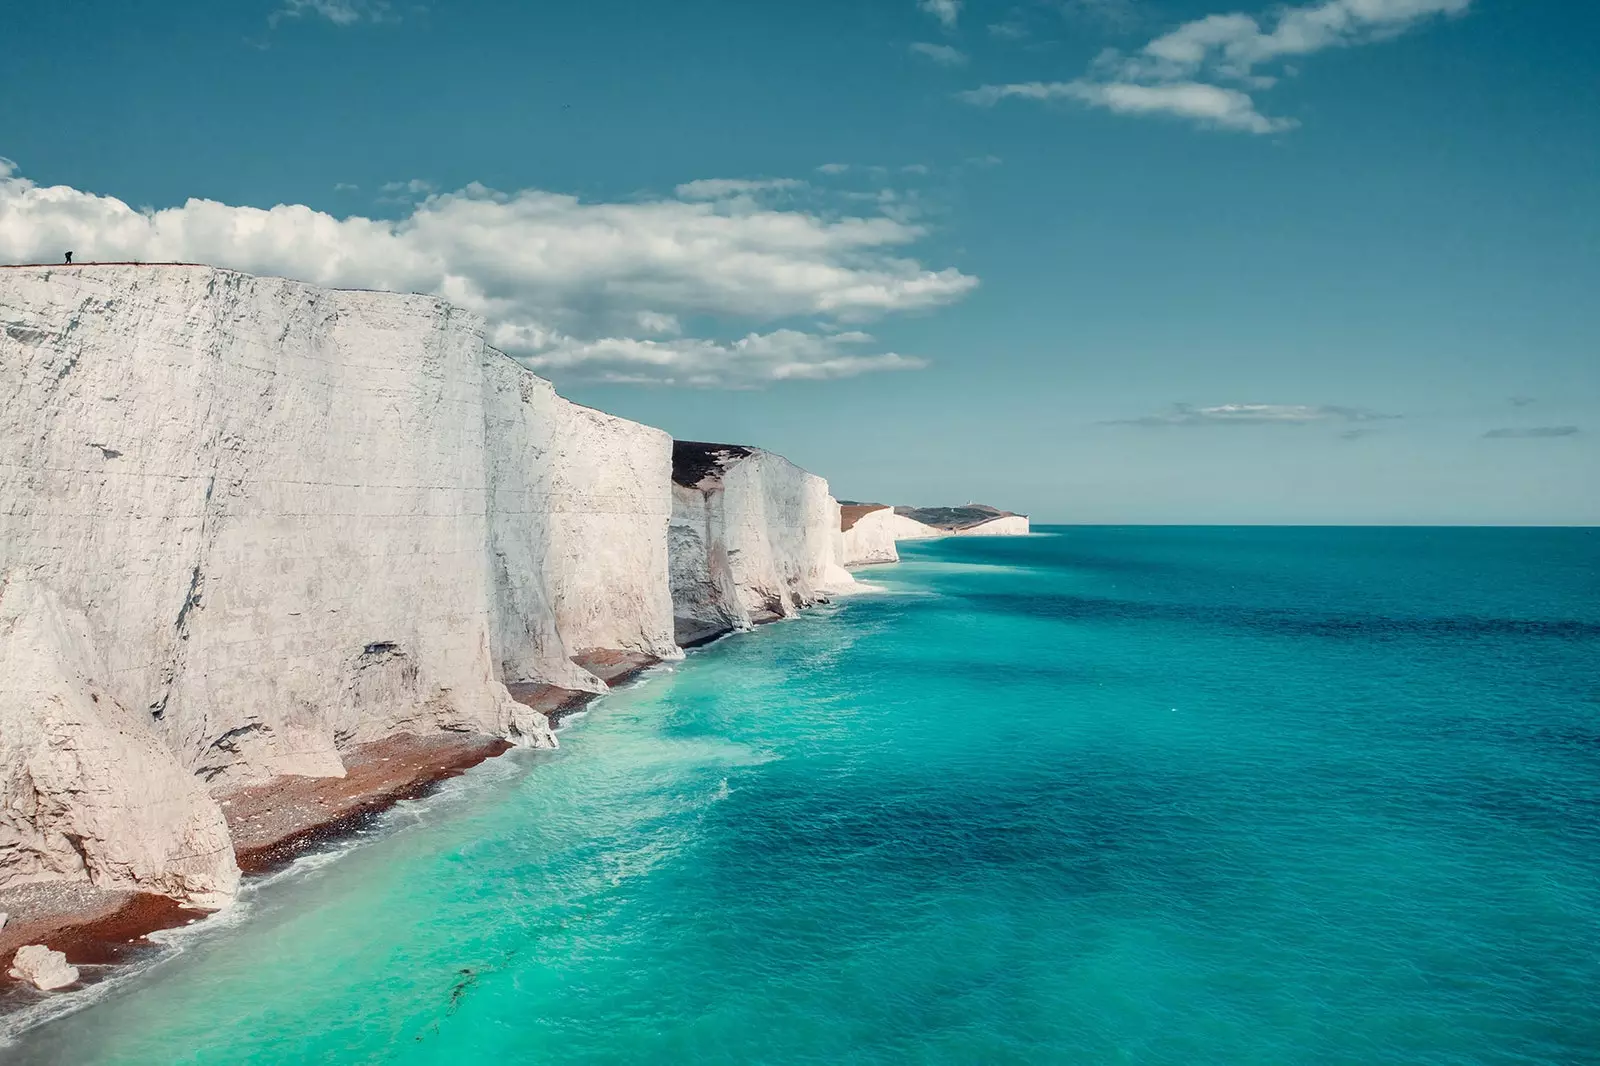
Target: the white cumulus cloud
pixel 1178 73
pixel 594 289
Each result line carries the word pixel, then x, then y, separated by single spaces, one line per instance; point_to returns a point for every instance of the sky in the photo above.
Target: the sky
pixel 1101 261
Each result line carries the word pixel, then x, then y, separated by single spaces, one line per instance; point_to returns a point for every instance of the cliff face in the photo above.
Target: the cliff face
pixel 754 538
pixel 250 524
pixel 1010 525
pixel 868 535
pixel 579 502
pixel 868 531
pixel 88 790
pixel 968 520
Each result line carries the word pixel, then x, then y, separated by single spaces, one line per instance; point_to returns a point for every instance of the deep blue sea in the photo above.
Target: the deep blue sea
pixel 1101 795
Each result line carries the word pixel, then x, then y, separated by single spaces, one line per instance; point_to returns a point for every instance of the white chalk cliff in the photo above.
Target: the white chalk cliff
pixel 754 538
pixel 869 535
pixel 1011 525
pixel 869 531
pixel 250 524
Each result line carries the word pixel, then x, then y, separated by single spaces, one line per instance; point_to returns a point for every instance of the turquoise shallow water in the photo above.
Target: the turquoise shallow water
pixel 1107 795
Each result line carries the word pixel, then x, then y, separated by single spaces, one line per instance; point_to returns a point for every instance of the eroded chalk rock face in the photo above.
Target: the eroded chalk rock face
pixel 91 791
pixel 754 538
pixel 46 970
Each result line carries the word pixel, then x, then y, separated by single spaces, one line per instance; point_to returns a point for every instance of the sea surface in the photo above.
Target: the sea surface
pixel 1100 795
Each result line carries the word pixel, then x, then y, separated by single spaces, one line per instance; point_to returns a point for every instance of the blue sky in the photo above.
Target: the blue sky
pixel 1102 260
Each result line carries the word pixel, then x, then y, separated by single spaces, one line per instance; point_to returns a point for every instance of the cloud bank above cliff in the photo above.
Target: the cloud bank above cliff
pixel 598 290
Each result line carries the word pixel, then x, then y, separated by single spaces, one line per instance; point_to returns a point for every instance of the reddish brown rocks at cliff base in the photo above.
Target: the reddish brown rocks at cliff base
pixel 276 822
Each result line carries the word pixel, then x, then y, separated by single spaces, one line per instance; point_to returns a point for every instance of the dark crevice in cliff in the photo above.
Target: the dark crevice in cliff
pixel 694 460
pixel 191 600
pixel 229 741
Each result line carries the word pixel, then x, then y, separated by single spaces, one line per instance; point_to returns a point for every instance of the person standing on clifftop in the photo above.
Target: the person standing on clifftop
pixel 69 258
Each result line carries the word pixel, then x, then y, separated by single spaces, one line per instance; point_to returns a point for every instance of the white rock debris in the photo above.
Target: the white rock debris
pixel 46 970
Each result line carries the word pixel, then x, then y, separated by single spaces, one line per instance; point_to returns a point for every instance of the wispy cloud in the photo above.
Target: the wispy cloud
pixel 405 192
pixel 587 289
pixel 1530 432
pixel 1253 414
pixel 338 12
pixel 942 54
pixel 727 188
pixel 1208 105
pixel 1009 30
pixel 1522 401
pixel 1178 73
pixel 346 186
pixel 782 355
pixel 946 11
pixel 833 168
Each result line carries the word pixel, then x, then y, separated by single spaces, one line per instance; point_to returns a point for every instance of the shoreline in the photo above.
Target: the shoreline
pixel 272 824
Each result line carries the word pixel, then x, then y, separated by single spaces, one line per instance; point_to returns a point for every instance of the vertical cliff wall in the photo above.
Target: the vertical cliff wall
pixel 579 503
pixel 754 538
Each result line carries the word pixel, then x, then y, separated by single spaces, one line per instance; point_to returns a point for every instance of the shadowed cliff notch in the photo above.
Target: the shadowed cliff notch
pixel 694 460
